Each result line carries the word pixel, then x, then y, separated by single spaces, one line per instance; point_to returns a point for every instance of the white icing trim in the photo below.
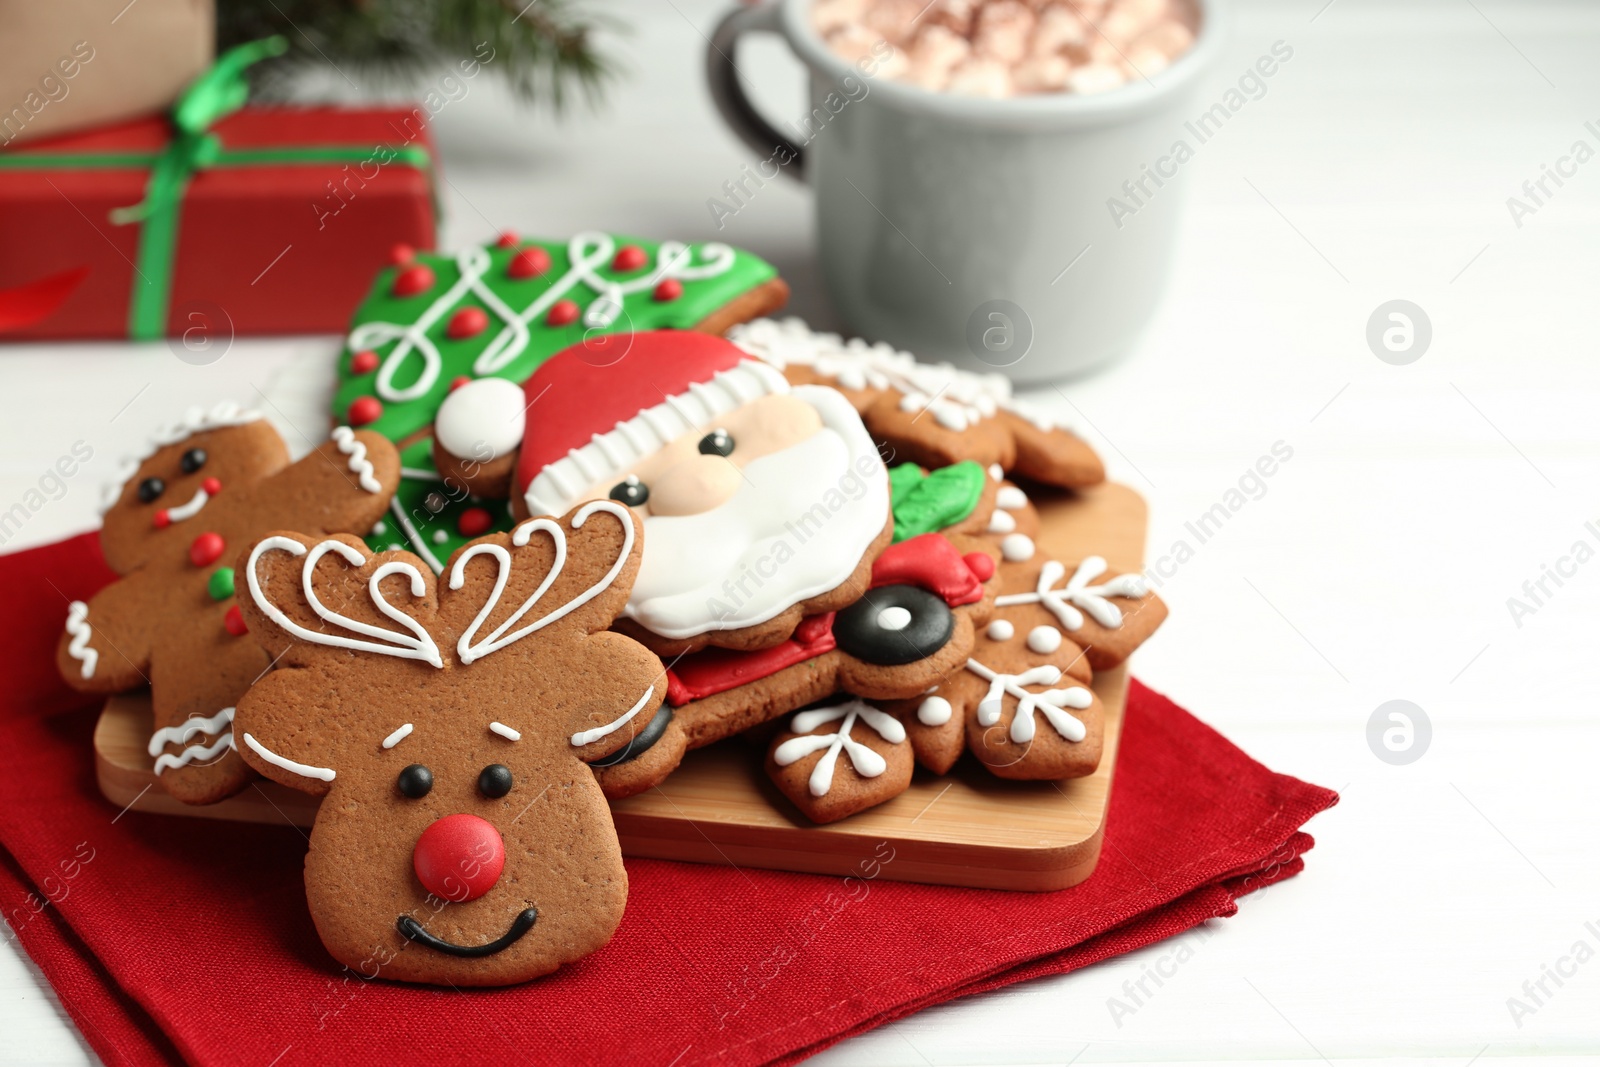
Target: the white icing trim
pixel 555 489
pixel 586 253
pixel 194 752
pixel 181 733
pixel 418 644
pixel 956 398
pixel 304 770
pixel 1064 603
pixel 1016 548
pixel 1010 497
pixel 345 438
pixel 398 736
pixel 195 420
pixel 498 638
pixel 867 762
pixel 78 648
pixel 1051 702
pixel 587 736
pixel 934 711
pixel 191 509
pixel 505 731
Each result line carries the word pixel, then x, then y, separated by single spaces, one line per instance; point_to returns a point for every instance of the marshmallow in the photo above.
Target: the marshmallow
pixel 1094 78
pixel 1004 27
pixel 980 77
pixel 1041 74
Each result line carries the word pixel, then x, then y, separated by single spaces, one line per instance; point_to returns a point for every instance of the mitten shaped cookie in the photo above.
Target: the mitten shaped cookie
pixel 928 414
pixel 1021 704
pixel 462 839
pixel 210 484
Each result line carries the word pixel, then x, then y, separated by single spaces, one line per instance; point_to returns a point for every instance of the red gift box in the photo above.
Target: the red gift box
pixel 286 216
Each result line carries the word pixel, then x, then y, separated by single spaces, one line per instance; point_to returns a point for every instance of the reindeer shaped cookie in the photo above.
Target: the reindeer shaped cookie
pixel 210 484
pixel 463 838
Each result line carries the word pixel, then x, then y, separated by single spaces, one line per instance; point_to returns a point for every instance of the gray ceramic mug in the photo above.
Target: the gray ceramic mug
pixel 983 232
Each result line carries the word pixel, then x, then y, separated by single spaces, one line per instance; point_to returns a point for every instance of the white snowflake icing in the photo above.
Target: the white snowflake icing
pixel 866 762
pixel 1051 703
pixel 1064 603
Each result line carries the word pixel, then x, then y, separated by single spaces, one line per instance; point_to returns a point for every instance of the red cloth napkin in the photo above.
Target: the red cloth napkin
pixel 173 938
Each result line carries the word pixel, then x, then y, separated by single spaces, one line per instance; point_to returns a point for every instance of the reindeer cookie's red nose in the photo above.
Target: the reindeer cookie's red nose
pixel 459 857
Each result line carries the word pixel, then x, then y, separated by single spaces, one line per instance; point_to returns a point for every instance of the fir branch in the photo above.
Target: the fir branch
pixel 543 49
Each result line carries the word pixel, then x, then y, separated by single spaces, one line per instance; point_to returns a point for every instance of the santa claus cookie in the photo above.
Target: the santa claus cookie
pixel 462 840
pixel 208 486
pixel 932 415
pixel 434 322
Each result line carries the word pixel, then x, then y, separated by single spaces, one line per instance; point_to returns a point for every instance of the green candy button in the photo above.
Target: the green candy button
pixel 220 585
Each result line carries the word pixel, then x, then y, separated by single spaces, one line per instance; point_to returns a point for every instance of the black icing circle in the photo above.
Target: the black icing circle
pixel 415 781
pixel 151 488
pixel 717 443
pixel 859 633
pixel 641 742
pixel 631 492
pixel 494 781
pixel 192 460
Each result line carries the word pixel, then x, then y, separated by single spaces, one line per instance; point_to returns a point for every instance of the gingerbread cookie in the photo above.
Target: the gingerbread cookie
pixel 462 840
pixel 839 759
pixel 1108 614
pixel 1024 713
pixel 435 322
pixel 209 484
pixel 932 415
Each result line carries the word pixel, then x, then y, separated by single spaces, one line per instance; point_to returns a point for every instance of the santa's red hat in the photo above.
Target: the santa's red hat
pixel 592 415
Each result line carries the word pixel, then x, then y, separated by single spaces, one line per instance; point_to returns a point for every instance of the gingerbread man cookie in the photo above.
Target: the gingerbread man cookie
pixel 933 415
pixel 462 839
pixel 210 484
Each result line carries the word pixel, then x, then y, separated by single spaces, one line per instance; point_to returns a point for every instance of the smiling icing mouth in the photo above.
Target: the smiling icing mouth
pixel 167 516
pixel 412 930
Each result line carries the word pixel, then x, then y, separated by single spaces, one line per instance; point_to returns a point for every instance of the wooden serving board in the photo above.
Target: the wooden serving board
pixel 966 828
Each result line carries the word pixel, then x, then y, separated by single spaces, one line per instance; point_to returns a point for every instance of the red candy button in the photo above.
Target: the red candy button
pixel 161 519
pixel 629 257
pixel 413 280
pixel 364 362
pixel 458 381
pixel 561 313
pixel 206 549
pixel 529 263
pixel 402 253
pixel 474 522
pixel 459 857
pixel 212 486
pixel 507 239
pixel 362 410
pixel 467 322
pixel 233 622
pixel 669 289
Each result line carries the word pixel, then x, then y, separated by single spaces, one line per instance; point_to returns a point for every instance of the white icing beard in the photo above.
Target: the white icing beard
pixel 797 527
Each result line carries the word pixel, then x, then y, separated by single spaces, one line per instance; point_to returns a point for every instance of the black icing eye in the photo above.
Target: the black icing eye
pixel 415 781
pixel 151 488
pixel 494 781
pixel 717 443
pixel 631 491
pixel 893 625
pixel 193 460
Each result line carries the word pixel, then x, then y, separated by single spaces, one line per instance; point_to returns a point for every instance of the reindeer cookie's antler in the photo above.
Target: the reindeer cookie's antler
pixel 416 643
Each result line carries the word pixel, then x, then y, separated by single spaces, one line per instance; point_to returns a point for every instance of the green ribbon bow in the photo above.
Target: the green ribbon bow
pixel 214 95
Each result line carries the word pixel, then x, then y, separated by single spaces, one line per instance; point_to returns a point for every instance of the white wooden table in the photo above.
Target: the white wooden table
pixel 1377 564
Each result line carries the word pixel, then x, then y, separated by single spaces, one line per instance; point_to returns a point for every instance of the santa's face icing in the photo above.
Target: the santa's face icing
pixel 733 540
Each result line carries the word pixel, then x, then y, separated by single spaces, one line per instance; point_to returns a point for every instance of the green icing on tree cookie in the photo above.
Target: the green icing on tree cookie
pixel 924 503
pixel 502 310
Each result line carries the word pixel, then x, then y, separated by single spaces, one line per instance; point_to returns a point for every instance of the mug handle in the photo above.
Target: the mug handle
pixel 723 79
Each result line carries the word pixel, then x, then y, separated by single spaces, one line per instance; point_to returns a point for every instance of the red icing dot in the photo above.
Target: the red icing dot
pixel 629 257
pixel 233 622
pixel 467 322
pixel 458 381
pixel 402 253
pixel 528 263
pixel 161 520
pixel 507 239
pixel 459 857
pixel 669 289
pixel 212 486
pixel 362 410
pixel 474 522
pixel 981 564
pixel 364 362
pixel 413 280
pixel 206 549
pixel 561 313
